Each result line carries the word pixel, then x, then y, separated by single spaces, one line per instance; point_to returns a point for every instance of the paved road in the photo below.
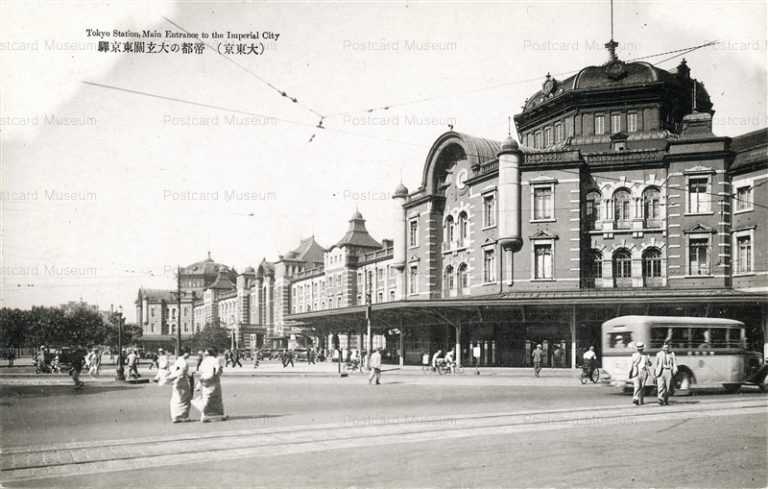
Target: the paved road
pixel 411 432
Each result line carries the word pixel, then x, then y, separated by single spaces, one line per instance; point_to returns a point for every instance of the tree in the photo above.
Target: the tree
pixel 211 337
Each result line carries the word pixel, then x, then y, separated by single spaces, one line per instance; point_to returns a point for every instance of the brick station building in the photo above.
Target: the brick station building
pixel 618 199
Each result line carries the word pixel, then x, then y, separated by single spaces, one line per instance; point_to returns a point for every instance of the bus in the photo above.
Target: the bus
pixel 709 351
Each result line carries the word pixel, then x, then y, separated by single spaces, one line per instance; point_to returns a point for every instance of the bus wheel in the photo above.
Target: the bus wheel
pixel 682 384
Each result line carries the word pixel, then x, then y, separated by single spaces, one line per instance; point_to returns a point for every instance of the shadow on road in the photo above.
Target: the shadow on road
pixel 31 391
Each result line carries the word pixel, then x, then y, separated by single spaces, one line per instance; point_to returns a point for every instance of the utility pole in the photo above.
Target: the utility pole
pixel 119 371
pixel 369 346
pixel 178 311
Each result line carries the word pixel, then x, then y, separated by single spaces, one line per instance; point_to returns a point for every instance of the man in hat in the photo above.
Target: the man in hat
pixel 666 369
pixel 638 373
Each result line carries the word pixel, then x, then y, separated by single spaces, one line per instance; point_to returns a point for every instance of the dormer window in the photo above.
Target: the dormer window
pixel 558 133
pixel 615 123
pixel 599 124
pixel 632 122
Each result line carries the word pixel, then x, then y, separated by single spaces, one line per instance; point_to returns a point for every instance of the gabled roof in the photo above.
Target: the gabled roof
pixel 751 149
pixel 308 251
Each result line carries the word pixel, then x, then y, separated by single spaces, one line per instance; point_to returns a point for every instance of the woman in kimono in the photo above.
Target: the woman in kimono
pixel 181 390
pixel 210 404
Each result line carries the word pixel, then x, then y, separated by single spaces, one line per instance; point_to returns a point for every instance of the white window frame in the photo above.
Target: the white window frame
pixel 707 193
pixel 601 117
pixel 490 276
pixel 615 116
pixel 548 137
pixel 534 187
pixel 750 205
pixel 708 237
pixel 413 279
pixel 542 242
pixel 538 139
pixel 747 233
pixel 494 213
pixel 632 120
pixel 559 132
pixel 413 235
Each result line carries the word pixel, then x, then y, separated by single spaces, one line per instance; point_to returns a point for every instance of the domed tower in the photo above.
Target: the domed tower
pixel 399 197
pixel 509 196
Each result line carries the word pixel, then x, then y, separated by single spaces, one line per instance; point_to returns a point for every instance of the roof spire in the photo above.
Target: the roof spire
pixel 612 45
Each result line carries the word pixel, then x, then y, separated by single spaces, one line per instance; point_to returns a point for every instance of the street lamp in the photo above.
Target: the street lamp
pixel 119 372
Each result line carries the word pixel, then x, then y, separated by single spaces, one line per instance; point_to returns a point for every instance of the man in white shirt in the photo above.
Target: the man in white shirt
pixel 638 373
pixel 666 369
pixel 375 366
pixel 449 362
pixel 590 358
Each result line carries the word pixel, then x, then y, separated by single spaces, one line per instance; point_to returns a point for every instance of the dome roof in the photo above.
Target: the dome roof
pixel 615 74
pixel 509 144
pixel 249 270
pixel 400 191
pixel 206 267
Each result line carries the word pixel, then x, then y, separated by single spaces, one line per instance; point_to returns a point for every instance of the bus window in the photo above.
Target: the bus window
pixel 658 336
pixel 701 338
pixel 619 340
pixel 718 337
pixel 680 338
pixel 736 338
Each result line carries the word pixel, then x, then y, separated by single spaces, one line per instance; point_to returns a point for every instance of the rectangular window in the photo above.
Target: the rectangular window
pixel 615 123
pixel 489 266
pixel 743 254
pixel 413 280
pixel 543 203
pixel 547 137
pixel 599 125
pixel 558 133
pixel 698 256
pixel 413 232
pixel 542 261
pixel 698 195
pixel 489 211
pixel 632 122
pixel 538 143
pixel 529 140
pixel 744 198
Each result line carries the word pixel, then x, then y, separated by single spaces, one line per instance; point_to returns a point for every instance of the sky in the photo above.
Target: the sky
pixel 105 190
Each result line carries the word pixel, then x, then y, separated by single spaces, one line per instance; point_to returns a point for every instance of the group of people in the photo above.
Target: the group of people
pixel 440 361
pixel 664 370
pixel 205 380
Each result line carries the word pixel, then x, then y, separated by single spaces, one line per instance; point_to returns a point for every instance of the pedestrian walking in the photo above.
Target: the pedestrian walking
pixel 181 390
pixel 476 357
pixel 666 369
pixel 288 358
pixel 163 367
pixel 375 366
pixel 133 364
pixel 638 373
pixel 211 404
pixel 78 359
pixel 538 360
pixel 236 359
pixel 93 361
pixel 11 355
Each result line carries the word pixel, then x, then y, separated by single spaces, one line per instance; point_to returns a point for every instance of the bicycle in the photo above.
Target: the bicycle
pixel 586 375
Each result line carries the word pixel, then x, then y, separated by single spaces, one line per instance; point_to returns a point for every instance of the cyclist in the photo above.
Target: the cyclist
pixel 449 363
pixel 437 360
pixel 590 359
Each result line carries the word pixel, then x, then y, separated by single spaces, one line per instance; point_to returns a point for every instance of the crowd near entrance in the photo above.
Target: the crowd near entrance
pixel 506 336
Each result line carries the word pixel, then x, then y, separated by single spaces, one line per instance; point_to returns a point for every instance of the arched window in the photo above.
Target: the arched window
pixel 652 207
pixel 449 279
pixel 592 209
pixel 622 202
pixel 652 267
pixel 449 232
pixel 463 228
pixel 622 268
pixel 594 268
pixel 463 278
